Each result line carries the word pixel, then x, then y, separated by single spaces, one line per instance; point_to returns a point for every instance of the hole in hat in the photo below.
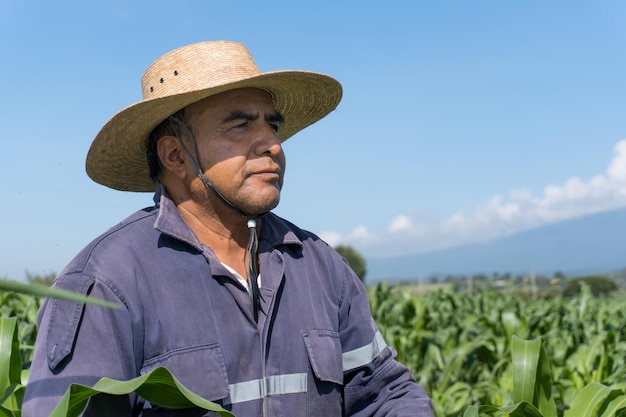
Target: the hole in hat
pixel 175 73
pixel 161 80
pixel 151 89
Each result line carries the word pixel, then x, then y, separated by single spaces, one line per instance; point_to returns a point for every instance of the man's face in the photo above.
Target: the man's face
pixel 238 148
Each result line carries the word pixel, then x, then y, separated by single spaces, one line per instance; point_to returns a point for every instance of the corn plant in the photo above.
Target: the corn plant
pixel 534 395
pixel 11 384
pixel 465 350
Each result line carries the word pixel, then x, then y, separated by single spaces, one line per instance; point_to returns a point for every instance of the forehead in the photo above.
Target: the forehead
pixel 241 99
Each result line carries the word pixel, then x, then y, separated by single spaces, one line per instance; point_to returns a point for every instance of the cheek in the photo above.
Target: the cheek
pixel 225 171
pixel 219 158
pixel 283 164
pixel 229 174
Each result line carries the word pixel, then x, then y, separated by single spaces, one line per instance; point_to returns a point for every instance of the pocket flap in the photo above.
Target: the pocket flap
pixel 324 351
pixel 201 369
pixel 65 318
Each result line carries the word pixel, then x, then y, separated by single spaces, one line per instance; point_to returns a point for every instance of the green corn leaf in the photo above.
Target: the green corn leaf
pixel 525 355
pixel 532 379
pixel 543 386
pixel 511 322
pixel 10 361
pixel 456 396
pixel 159 387
pixel 5 412
pixel 614 405
pixel 471 411
pixel 12 402
pixel 522 409
pixel 590 399
pixel 482 410
pixel 596 349
pixel 43 291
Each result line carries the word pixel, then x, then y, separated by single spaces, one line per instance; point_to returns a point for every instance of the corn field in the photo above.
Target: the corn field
pixel 486 355
pixel 493 354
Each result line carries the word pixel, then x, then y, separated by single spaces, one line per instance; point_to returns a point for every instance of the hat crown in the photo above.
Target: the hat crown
pixel 196 67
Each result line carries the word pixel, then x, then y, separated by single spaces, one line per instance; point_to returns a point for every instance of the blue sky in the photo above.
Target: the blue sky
pixel 461 120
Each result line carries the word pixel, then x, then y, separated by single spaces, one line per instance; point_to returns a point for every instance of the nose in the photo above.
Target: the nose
pixel 268 142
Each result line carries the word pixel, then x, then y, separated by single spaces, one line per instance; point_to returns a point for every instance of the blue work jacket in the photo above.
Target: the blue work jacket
pixel 315 350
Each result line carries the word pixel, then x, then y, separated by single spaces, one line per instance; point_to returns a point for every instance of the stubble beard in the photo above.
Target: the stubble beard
pixel 249 204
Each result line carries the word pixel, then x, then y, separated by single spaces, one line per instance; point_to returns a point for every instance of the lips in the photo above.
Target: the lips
pixel 270 170
pixel 268 174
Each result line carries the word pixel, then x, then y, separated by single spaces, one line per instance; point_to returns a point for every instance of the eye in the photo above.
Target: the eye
pixel 274 127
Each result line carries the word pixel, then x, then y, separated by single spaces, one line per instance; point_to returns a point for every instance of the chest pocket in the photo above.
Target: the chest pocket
pixel 324 397
pixel 201 369
pixel 324 351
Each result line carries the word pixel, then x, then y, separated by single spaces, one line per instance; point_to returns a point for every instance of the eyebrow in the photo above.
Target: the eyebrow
pixel 242 115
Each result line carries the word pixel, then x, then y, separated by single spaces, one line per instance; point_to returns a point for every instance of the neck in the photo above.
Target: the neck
pixel 213 226
pixel 227 240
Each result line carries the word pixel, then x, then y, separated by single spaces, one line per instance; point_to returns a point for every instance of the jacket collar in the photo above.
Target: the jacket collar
pixel 274 230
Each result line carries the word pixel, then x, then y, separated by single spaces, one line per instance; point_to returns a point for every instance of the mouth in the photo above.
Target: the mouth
pixel 269 174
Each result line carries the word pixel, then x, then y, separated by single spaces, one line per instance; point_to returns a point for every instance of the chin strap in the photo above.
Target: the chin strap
pixel 250 256
pixel 252 270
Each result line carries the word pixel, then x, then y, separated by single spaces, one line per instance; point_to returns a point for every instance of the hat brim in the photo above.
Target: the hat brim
pixel 117 156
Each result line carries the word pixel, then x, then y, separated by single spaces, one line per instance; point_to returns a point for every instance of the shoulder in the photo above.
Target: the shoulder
pixel 307 247
pixel 278 230
pixel 109 249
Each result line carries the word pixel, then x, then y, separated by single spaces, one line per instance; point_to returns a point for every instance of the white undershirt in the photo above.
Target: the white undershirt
pixel 242 280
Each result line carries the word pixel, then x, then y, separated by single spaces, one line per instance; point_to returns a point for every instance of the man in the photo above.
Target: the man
pixel 244 308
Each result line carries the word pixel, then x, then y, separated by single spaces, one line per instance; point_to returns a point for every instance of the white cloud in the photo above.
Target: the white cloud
pixel 499 215
pixel 332 238
pixel 402 222
pixel 360 232
pixel 617 168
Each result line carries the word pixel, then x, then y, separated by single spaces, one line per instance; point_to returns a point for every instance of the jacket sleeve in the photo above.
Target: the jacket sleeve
pixel 375 384
pixel 79 344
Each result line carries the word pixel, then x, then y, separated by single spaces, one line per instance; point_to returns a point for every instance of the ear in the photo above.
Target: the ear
pixel 172 156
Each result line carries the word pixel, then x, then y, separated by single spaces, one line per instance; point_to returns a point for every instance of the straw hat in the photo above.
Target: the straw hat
pixel 117 156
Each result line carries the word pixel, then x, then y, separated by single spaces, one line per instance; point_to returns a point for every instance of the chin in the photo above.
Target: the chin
pixel 270 207
pixel 266 206
pixel 258 202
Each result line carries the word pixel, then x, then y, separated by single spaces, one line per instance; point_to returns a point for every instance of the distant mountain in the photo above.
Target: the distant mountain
pixel 587 245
